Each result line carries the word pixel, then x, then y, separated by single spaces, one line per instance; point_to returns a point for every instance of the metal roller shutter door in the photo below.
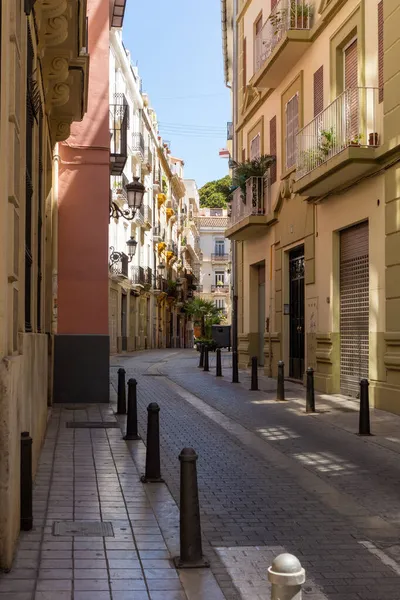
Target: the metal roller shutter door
pixel 354 308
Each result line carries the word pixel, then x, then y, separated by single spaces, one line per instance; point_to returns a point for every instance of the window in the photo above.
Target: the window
pixel 318 91
pixel 219 277
pixel 292 127
pixel 244 82
pixel 380 50
pixel 219 247
pixel 272 147
pixel 255 147
pixel 220 303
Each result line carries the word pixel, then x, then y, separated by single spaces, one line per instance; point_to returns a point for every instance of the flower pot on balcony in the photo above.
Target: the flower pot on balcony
pixel 373 139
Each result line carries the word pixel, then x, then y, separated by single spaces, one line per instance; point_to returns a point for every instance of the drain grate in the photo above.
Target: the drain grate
pixel 83 528
pixel 92 424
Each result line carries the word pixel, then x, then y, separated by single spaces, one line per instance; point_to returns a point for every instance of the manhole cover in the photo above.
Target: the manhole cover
pixel 153 375
pixel 83 528
pixel 92 425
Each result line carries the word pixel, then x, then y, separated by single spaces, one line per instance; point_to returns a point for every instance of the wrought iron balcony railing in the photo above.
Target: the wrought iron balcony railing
pixel 148 276
pixel 222 289
pixel 138 277
pixel 256 201
pixel 119 124
pixel 219 257
pixel 138 144
pixel 148 215
pixel 286 15
pixel 139 216
pixel 119 184
pixel 350 120
pixel 120 268
pixel 159 233
pixel 160 283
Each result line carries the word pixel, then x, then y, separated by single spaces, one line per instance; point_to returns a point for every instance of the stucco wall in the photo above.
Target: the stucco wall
pixel 23 407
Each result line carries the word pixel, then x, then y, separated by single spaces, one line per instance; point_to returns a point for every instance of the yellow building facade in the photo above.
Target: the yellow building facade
pixel 317 239
pixel 44 66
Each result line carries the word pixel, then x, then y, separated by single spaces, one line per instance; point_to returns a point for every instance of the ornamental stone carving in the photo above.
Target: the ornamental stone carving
pixel 58 22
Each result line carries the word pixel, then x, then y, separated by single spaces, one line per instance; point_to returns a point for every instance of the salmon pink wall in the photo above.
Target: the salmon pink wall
pixel 84 182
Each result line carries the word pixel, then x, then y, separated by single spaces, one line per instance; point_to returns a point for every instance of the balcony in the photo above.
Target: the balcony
pixel 160 284
pixel 120 268
pixel 220 289
pixel 119 184
pixel 119 123
pixel 250 214
pixel 148 276
pixel 282 41
pixel 148 216
pixel 139 217
pixel 338 146
pixel 138 146
pixel 219 257
pixel 158 234
pixel 138 277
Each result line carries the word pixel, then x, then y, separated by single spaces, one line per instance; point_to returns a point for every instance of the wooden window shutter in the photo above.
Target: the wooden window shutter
pixel 244 63
pixel 255 147
pixel 318 91
pixel 380 50
pixel 351 66
pixel 272 147
pixel 292 127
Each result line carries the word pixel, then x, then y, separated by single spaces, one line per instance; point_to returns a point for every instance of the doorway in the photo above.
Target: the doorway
pixel 124 334
pixel 296 312
pixel 261 313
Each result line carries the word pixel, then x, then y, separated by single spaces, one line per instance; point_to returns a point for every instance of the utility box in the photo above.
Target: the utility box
pixel 221 335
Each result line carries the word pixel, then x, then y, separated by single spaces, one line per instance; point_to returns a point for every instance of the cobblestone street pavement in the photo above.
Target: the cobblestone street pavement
pixel 273 479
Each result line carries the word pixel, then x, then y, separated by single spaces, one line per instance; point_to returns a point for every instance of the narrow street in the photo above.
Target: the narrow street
pixel 271 479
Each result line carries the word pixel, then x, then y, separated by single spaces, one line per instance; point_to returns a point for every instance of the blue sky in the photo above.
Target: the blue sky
pixel 178 50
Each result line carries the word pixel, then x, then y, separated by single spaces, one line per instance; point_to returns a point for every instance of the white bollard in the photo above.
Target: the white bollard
pixel 286 576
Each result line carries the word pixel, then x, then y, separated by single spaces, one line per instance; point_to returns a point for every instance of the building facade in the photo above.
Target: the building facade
pixel 44 83
pixel 216 264
pixel 316 239
pixel 147 290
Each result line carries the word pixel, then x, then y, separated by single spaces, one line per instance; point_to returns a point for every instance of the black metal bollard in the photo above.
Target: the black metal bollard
pixel 310 398
pixel 254 374
pixel 206 359
pixel 201 361
pixel 364 424
pixel 280 394
pixel 26 485
pixel 235 367
pixel 121 402
pixel 191 552
pixel 219 363
pixel 153 469
pixel 131 420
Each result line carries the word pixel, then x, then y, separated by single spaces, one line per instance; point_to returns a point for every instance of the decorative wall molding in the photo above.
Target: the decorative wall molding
pixel 60 26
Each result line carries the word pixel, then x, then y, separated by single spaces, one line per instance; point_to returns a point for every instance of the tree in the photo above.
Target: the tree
pixel 215 194
pixel 204 313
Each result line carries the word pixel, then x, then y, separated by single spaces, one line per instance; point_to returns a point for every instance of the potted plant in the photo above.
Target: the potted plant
pixel 310 159
pixel 220 283
pixel 251 168
pixel 277 19
pixel 327 140
pixel 356 140
pixel 373 139
pixel 300 15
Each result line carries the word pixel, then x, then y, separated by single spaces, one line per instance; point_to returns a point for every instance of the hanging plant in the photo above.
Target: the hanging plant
pixel 251 168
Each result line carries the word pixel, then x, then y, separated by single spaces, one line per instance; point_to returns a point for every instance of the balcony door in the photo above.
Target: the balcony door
pixel 219 247
pixel 350 74
pixel 219 278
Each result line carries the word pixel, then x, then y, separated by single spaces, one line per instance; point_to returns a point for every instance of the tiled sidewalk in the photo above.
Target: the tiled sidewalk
pixel 88 475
